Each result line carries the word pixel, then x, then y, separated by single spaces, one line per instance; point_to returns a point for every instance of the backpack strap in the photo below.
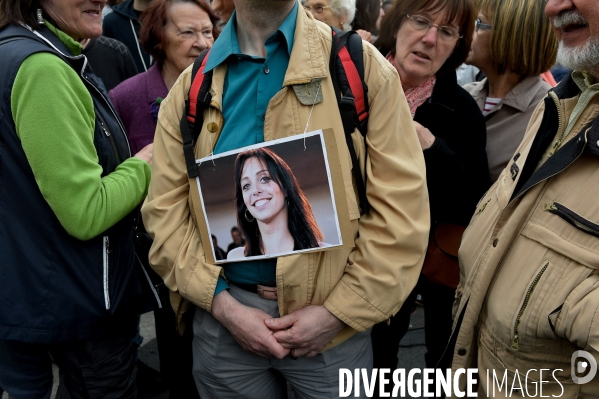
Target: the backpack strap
pixel 347 74
pixel 199 99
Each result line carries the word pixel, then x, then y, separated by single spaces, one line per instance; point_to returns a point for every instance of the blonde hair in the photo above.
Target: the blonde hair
pixel 521 39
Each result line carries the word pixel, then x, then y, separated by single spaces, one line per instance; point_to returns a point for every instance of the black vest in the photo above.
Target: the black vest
pixel 56 288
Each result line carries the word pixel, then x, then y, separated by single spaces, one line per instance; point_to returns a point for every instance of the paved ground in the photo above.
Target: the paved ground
pixel 411 350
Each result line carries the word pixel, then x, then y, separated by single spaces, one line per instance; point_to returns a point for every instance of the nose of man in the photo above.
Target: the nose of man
pixel 554 7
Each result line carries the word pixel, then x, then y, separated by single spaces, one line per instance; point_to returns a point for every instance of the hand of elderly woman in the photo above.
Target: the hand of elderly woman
pixel 425 137
pixel 145 153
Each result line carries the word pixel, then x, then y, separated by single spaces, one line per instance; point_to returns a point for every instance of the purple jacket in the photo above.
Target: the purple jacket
pixel 135 102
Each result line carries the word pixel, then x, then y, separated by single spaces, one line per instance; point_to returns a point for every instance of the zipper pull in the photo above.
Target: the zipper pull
pixel 549 207
pixel 515 345
pixel 107 245
pixel 106 132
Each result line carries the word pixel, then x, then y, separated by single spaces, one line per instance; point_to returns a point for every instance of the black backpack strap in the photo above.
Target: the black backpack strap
pixel 199 99
pixel 346 66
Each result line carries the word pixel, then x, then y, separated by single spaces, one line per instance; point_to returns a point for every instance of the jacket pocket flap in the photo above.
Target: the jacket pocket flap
pixel 579 313
pixel 583 255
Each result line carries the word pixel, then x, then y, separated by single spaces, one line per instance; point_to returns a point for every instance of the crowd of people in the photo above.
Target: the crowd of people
pixel 467 173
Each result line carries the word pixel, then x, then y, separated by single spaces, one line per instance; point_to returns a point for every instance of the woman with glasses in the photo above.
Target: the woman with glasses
pixel 335 13
pixel 426 40
pixel 512 45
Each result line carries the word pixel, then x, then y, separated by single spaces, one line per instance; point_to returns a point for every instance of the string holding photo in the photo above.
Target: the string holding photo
pixel 310 115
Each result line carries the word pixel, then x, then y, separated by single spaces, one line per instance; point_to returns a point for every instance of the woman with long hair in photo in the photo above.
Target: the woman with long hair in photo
pixel 273 213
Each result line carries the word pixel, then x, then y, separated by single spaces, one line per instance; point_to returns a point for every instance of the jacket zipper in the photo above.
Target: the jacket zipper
pixel 107 133
pixel 560 124
pixel 123 130
pixel 573 218
pixel 152 286
pixel 515 339
pixel 106 253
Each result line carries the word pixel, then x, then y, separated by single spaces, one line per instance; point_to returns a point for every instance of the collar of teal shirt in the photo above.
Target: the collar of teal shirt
pixel 227 45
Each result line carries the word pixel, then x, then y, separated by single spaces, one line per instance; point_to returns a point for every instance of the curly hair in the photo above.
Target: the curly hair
pixel 300 219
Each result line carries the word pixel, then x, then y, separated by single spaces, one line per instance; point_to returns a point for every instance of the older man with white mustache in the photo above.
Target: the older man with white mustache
pixel 527 307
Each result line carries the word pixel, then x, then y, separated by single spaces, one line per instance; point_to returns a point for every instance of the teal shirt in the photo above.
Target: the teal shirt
pixel 249 85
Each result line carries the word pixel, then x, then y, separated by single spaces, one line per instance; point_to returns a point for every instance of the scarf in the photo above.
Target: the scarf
pixel 416 96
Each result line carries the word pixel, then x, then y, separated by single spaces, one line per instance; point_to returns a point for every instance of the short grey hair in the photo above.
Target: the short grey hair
pixel 345 8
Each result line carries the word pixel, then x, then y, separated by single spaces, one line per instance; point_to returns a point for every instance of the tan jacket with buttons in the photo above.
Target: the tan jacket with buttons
pixel 529 289
pixel 362 286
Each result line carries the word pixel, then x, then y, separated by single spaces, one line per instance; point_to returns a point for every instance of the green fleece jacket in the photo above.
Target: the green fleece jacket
pixel 54 118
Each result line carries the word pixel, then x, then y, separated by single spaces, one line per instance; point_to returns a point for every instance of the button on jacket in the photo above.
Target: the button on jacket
pixel 361 286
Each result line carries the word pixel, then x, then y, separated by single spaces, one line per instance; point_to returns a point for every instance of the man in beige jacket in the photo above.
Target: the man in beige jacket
pixel 325 303
pixel 527 311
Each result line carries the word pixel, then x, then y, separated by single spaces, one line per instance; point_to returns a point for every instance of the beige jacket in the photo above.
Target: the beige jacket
pixel 507 123
pixel 529 289
pixel 362 286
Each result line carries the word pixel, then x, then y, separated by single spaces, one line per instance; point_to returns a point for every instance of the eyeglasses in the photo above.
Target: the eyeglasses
pixel 446 33
pixel 317 9
pixel 479 25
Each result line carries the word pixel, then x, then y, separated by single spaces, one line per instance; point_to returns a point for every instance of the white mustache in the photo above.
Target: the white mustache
pixel 569 18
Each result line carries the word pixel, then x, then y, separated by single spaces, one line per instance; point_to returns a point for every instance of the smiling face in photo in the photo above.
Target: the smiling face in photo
pixel 80 19
pixel 261 194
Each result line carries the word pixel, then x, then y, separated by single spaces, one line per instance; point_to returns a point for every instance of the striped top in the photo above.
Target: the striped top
pixel 490 104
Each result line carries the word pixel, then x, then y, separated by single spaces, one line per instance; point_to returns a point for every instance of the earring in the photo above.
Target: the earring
pixel 40 17
pixel 250 220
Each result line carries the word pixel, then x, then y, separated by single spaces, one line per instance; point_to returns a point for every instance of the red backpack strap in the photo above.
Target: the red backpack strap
pixel 346 66
pixel 355 83
pixel 199 99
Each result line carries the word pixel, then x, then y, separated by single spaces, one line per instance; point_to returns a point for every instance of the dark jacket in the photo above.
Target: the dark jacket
pixel 122 24
pixel 58 288
pixel 111 61
pixel 457 171
pixel 134 101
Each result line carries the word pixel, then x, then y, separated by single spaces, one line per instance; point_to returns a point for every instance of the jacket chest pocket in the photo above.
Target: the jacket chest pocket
pixel 571 269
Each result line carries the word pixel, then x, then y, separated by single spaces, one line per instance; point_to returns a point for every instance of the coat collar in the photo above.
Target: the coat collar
pixel 307 60
pixel 155 86
pixel 566 88
pixel 521 97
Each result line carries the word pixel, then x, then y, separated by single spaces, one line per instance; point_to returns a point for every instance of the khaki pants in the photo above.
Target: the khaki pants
pixel 222 369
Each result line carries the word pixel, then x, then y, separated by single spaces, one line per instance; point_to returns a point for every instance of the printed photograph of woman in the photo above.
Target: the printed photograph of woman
pixel 278 195
pixel 273 213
